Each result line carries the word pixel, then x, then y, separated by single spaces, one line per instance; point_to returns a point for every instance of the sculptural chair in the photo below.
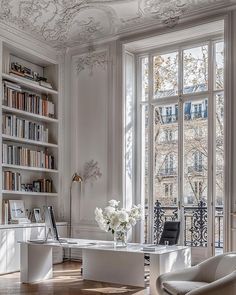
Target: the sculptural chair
pixel 214 276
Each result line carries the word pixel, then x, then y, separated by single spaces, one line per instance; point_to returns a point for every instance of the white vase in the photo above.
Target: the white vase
pixel 120 239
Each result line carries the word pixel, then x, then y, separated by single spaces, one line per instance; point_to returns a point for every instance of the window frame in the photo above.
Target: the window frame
pixel 210 94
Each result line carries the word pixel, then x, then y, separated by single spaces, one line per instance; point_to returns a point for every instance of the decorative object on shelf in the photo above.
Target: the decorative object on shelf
pixel 91 171
pixel 27 73
pixel 93 59
pixel 118 220
pixel 75 178
pixel 37 215
pixel 5 212
pixel 17 212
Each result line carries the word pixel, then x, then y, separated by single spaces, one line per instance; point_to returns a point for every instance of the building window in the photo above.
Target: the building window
pixel 169 135
pixel 168 187
pixel 197 159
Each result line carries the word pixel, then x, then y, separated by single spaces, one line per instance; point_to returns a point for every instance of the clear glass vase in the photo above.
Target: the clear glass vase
pixel 120 239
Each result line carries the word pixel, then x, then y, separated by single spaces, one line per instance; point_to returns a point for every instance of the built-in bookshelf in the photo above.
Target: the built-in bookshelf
pixel 29 128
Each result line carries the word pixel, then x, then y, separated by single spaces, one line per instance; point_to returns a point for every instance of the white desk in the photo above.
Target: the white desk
pixel 103 262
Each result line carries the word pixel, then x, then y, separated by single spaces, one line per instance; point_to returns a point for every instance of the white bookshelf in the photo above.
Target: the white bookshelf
pixel 29 168
pixel 28 84
pixel 46 67
pixel 28 115
pixel 28 141
pixel 21 193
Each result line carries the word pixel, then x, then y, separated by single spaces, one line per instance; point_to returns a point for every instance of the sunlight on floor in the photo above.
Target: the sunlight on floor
pixel 110 290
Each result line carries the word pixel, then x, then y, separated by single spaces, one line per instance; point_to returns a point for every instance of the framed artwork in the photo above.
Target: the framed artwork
pixel 37 215
pixel 17 209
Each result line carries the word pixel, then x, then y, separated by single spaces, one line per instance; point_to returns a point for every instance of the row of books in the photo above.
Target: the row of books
pixel 17 155
pixel 15 97
pixel 22 128
pixel 12 181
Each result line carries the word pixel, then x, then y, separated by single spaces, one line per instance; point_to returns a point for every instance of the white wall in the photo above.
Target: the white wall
pixel 96 134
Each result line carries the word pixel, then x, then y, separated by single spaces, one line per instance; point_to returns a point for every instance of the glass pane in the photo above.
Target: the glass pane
pixel 195 66
pixel 129 125
pixel 195 171
pixel 165 166
pixel 219 201
pixel 219 65
pixel 144 169
pixel 165 75
pixel 144 78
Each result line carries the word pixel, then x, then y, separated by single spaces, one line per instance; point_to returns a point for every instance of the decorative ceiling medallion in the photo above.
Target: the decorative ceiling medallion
pixel 93 59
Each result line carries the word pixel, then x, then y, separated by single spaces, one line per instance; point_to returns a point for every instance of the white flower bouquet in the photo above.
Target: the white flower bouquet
pixel 117 220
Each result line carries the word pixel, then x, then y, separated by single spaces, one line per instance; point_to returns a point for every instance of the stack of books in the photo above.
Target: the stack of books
pixel 11 181
pixel 17 155
pixel 15 97
pixel 22 128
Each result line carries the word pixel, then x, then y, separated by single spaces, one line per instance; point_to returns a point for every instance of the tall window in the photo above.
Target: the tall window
pixel 178 88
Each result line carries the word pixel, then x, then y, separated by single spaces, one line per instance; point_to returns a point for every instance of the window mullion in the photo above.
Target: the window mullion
pixel 211 150
pixel 180 143
pixel 151 151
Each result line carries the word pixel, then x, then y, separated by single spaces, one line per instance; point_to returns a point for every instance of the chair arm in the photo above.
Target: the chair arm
pixel 188 274
pixel 225 285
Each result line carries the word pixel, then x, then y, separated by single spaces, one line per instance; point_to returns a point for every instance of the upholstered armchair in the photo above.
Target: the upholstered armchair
pixel 214 276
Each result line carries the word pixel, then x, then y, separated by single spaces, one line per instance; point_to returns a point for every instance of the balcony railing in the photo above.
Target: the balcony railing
pixel 195 223
pixel 167 172
pixel 167 119
pixel 196 168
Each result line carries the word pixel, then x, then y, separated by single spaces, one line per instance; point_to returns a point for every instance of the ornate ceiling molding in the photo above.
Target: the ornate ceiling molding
pixel 66 23
pixel 92 59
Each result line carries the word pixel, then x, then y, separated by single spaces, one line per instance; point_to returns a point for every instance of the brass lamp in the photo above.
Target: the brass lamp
pixel 79 179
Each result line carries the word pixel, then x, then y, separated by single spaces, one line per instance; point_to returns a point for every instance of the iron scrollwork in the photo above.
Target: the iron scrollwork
pixel 160 217
pixel 199 225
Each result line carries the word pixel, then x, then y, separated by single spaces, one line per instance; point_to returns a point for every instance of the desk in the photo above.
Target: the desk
pixel 102 262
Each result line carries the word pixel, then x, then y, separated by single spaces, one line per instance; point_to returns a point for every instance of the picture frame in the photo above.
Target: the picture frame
pixel 36 186
pixel 17 209
pixel 37 215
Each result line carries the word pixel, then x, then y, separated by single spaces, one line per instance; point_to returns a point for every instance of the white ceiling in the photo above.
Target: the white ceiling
pixel 66 23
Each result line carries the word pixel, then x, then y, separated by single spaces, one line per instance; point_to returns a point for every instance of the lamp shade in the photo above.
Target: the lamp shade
pixel 77 178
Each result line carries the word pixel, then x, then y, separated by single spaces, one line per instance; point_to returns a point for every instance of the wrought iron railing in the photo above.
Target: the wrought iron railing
pixel 167 172
pixel 195 223
pixel 169 118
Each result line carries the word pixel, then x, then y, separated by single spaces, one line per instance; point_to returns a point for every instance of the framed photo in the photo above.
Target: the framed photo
pixel 36 186
pixel 17 209
pixel 37 215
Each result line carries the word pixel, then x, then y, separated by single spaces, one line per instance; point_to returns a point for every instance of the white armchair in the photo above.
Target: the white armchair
pixel 215 276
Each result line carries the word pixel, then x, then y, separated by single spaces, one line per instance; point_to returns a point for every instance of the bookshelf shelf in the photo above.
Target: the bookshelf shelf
pixel 6 192
pixel 29 115
pixel 36 169
pixel 28 141
pixel 28 84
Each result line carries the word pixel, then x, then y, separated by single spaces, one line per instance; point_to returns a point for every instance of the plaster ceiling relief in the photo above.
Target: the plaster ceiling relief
pixel 66 23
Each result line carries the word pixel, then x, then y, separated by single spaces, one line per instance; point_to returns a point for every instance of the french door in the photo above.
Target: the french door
pixel 182 116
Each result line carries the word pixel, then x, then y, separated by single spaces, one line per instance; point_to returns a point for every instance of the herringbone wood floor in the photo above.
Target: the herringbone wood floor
pixel 67 280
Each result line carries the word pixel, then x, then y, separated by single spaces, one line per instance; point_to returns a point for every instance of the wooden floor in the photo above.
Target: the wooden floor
pixel 67 280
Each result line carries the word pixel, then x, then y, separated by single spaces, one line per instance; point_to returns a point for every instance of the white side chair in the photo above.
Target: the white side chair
pixel 214 276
